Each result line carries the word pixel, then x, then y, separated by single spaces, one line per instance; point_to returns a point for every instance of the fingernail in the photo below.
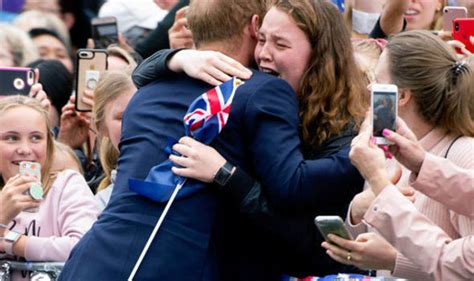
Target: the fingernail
pixel 373 140
pixel 384 148
pixel 385 133
pixel 389 155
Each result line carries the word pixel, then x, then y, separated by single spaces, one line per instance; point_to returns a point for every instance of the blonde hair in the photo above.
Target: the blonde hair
pixel 119 52
pixel 441 85
pixel 367 53
pixel 111 85
pixel 22 101
pixel 19 45
pixel 66 150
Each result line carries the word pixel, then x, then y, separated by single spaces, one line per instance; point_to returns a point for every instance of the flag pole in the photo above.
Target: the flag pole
pixel 155 230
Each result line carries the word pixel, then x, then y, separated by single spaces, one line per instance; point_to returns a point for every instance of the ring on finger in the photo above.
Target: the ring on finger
pixel 349 257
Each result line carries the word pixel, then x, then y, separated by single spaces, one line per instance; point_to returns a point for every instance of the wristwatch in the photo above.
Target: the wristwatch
pixel 9 240
pixel 223 175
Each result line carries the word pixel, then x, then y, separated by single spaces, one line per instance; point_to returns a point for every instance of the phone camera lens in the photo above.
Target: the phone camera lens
pixel 457 26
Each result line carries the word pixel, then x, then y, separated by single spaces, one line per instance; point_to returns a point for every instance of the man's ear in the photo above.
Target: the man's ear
pixel 254 26
pixel 404 97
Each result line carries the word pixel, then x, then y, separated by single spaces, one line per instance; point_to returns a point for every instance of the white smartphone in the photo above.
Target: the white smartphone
pixel 332 225
pixel 384 100
pixel 451 13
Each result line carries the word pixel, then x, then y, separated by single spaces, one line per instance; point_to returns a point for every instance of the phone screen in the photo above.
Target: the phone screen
pixel 332 225
pixel 105 34
pixel 384 111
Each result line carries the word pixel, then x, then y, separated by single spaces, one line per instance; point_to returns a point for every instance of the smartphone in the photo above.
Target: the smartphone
pixel 332 225
pixel 384 99
pixel 104 32
pixel 450 13
pixel 16 81
pixel 90 65
pixel 463 30
pixel 30 169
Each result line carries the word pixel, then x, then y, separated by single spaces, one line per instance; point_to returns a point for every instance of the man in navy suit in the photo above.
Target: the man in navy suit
pixel 201 238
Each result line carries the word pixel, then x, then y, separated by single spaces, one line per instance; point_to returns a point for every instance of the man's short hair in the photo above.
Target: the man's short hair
pixel 222 20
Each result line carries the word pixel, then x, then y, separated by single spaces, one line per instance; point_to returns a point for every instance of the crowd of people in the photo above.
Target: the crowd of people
pixel 294 142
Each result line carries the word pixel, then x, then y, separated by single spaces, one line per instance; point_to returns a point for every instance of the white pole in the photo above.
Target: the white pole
pixel 155 230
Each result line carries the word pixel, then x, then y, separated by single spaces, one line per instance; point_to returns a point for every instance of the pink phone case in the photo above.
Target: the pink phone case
pixel 450 14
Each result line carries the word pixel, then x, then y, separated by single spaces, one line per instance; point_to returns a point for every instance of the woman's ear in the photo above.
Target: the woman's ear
pixel 404 97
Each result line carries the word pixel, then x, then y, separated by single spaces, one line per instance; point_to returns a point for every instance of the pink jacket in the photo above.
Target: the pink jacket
pixel 64 216
pixel 453 224
pixel 418 239
pixel 447 183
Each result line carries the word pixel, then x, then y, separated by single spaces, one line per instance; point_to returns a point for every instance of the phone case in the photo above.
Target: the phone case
pixel 30 169
pixel 104 32
pixel 450 14
pixel 16 81
pixel 90 65
pixel 332 225
pixel 463 30
pixel 384 107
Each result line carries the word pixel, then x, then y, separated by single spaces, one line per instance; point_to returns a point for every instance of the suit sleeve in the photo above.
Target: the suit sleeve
pixel 272 123
pixel 153 68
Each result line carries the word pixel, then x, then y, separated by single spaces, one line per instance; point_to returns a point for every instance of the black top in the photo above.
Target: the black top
pixel 377 31
pixel 158 38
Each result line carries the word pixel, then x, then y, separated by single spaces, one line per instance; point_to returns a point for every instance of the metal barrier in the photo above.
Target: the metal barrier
pixel 38 271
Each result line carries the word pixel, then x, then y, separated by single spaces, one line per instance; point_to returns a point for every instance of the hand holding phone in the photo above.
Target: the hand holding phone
pixel 90 65
pixel 16 81
pixel 384 101
pixel 332 225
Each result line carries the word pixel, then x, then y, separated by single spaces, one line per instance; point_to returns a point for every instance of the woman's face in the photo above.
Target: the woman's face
pixel 21 139
pixel 113 116
pixel 421 13
pixel 283 49
pixel 50 48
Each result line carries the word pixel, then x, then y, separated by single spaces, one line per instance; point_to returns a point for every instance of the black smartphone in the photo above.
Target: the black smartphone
pixel 16 81
pixel 104 32
pixel 90 65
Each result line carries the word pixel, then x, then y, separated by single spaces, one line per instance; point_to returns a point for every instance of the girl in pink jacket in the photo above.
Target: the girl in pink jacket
pixel 35 225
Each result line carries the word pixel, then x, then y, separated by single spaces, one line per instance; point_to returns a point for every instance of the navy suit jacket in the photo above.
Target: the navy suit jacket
pixel 202 237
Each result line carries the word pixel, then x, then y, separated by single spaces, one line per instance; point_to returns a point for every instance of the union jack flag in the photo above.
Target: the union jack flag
pixel 205 118
pixel 208 114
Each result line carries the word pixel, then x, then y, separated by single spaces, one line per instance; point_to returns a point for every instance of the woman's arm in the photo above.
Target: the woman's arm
pixel 437 177
pixel 419 240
